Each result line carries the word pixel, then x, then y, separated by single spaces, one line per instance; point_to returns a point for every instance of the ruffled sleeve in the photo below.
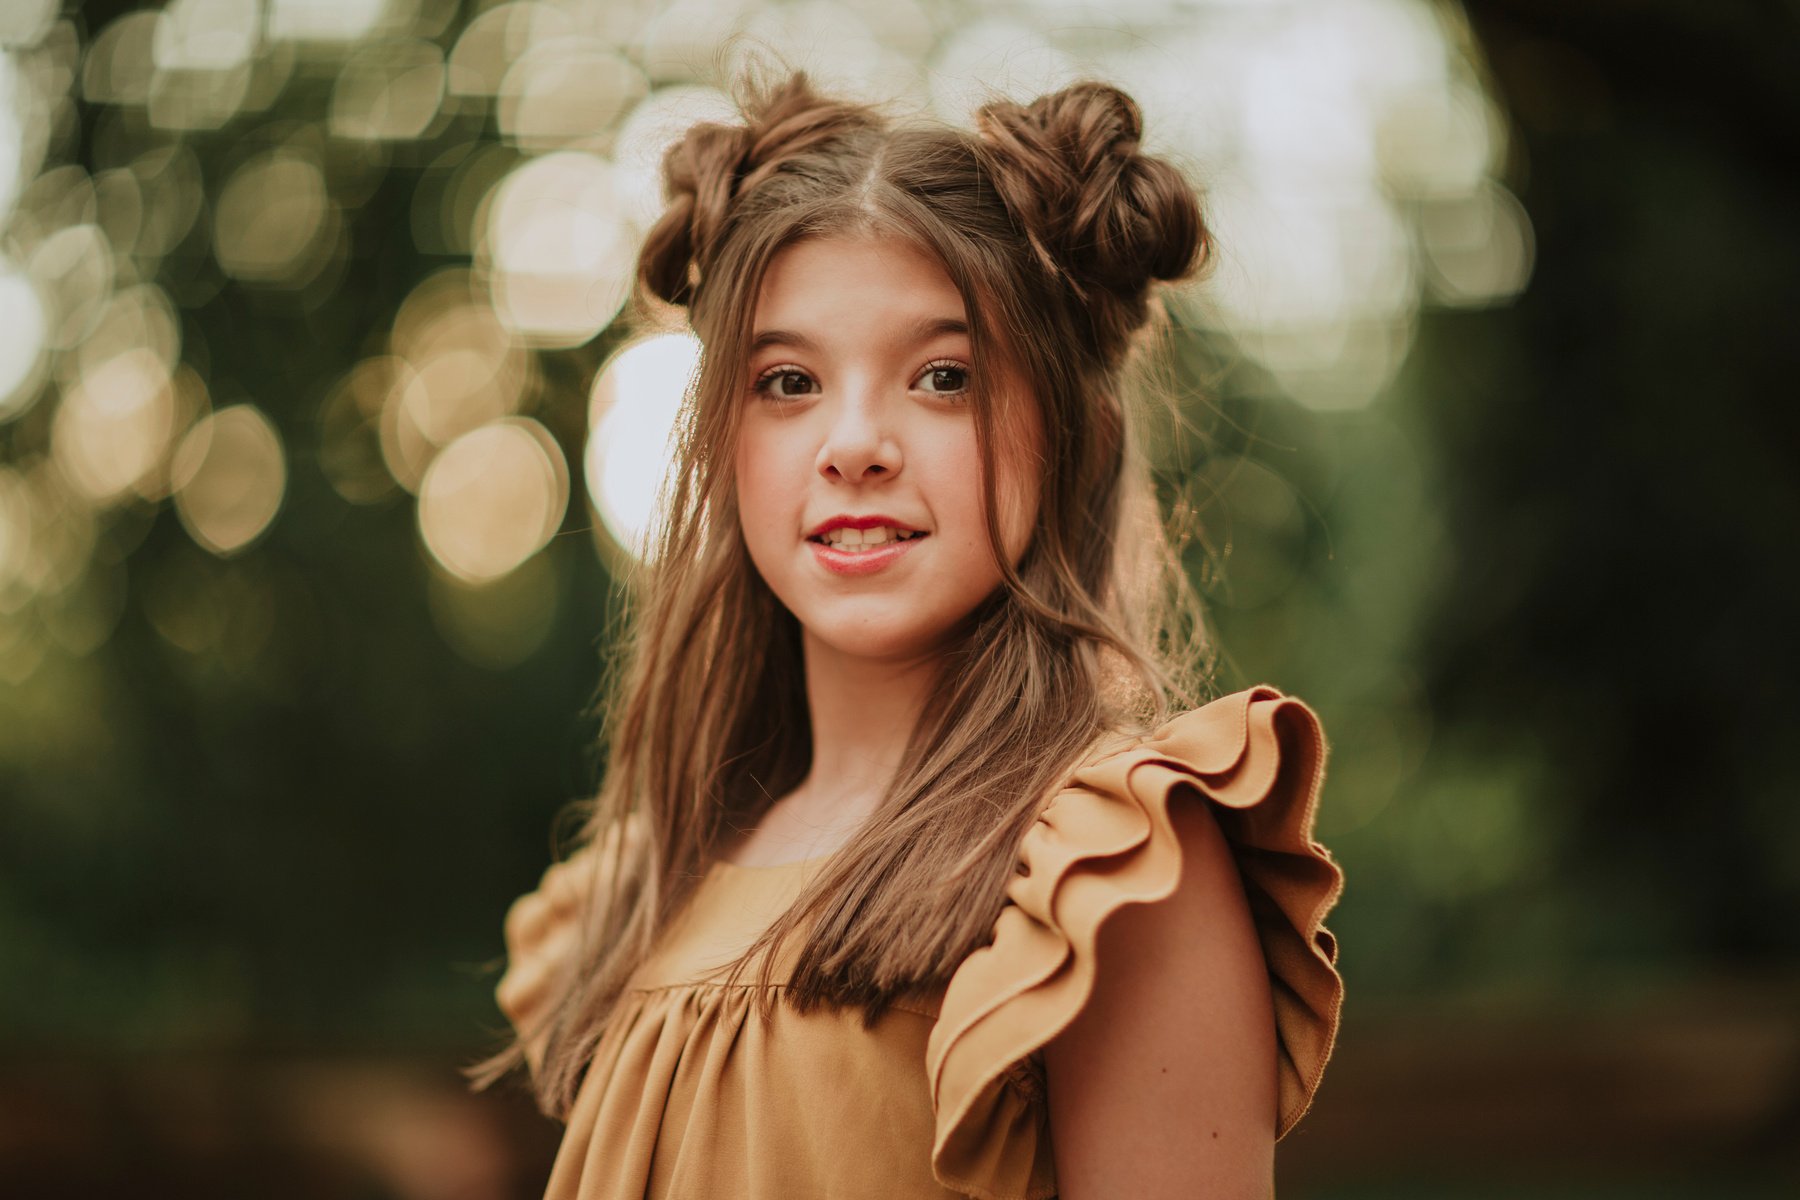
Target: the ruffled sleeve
pixel 543 937
pixel 1104 841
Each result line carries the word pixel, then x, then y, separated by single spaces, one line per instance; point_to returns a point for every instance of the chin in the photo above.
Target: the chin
pixel 892 637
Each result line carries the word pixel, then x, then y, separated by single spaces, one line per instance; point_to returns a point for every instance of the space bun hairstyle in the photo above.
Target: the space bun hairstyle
pixel 1103 220
pixel 1102 216
pixel 708 170
pixel 1055 228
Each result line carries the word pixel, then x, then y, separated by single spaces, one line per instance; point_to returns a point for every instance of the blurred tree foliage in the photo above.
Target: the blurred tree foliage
pixel 1623 462
pixel 1563 536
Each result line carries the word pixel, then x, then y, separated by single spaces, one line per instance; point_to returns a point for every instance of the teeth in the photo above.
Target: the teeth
pixel 859 539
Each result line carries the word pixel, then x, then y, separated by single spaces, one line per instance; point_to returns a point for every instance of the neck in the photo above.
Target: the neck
pixel 862 714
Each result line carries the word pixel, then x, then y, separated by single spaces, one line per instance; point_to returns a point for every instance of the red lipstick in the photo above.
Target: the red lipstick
pixel 846 521
pixel 841 561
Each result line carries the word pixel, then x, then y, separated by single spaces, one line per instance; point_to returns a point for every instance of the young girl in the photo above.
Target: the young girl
pixel 903 882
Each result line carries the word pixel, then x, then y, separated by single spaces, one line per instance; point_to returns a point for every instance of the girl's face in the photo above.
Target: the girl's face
pixel 857 428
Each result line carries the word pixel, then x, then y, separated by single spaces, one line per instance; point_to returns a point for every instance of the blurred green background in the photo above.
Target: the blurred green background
pixel 319 473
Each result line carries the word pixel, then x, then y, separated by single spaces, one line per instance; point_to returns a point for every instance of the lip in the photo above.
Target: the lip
pixel 862 562
pixel 846 521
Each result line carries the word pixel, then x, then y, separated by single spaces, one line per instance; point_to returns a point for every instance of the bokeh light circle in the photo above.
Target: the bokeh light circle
pixel 73 270
pixel 270 218
pixel 22 341
pixel 493 498
pixel 206 35
pixel 632 415
pixel 230 476
pixel 562 91
pixel 389 91
pixel 559 249
pixel 114 426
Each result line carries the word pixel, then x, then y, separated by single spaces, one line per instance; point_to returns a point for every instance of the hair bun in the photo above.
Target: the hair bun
pixel 1097 210
pixel 713 166
pixel 699 176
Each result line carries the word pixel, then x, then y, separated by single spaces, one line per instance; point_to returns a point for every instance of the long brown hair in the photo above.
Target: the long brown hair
pixel 1055 228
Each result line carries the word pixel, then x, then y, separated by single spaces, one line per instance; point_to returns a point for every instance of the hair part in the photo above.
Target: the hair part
pixel 1055 228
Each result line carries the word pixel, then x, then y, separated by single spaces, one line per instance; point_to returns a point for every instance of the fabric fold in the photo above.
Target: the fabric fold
pixel 1104 841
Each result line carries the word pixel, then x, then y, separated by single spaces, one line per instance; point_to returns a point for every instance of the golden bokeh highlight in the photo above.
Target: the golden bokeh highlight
pixel 25 22
pixel 1353 158
pixel 73 271
pixel 493 498
pixel 229 475
pixel 206 35
pixel 331 20
pixel 187 101
pixel 389 92
pixel 1479 247
pixel 632 413
pixel 492 40
pixel 114 425
pixel 119 208
pixel 139 317
pixel 58 199
pixel 22 345
pixel 563 91
pixel 405 449
pixel 119 65
pixel 271 222
pixel 467 369
pixel 557 250
pixel 453 368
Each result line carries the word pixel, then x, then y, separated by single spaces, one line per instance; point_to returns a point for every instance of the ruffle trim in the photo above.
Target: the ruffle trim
pixel 542 930
pixel 1105 841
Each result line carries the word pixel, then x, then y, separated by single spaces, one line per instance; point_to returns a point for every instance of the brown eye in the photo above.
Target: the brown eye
pixel 787 384
pixel 945 380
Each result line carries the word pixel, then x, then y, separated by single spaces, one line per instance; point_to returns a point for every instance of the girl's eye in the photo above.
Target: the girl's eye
pixel 786 383
pixel 944 379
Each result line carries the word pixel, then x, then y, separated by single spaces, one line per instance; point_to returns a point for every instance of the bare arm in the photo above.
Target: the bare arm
pixel 1165 1085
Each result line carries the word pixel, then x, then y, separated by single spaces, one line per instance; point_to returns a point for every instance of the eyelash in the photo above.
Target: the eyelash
pixel 764 382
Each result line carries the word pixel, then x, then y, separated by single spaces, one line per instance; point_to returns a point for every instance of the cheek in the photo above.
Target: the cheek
pixel 760 496
pixel 955 484
pixel 958 479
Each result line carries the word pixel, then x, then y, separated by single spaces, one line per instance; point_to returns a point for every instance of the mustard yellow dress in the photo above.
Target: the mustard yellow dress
pixel 691 1094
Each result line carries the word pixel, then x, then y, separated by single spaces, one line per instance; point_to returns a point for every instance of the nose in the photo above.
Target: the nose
pixel 860 443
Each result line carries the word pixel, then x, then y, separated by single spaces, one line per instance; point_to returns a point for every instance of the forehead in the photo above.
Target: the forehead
pixel 879 282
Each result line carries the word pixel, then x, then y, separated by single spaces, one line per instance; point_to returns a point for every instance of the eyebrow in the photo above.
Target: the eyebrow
pixel 920 331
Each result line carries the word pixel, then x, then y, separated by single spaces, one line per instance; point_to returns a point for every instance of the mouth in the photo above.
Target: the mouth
pixel 848 540
pixel 847 545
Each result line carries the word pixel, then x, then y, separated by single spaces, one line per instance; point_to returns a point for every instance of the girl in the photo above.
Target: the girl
pixel 903 882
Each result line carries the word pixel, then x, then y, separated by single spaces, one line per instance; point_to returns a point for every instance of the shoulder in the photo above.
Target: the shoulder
pixel 1154 820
